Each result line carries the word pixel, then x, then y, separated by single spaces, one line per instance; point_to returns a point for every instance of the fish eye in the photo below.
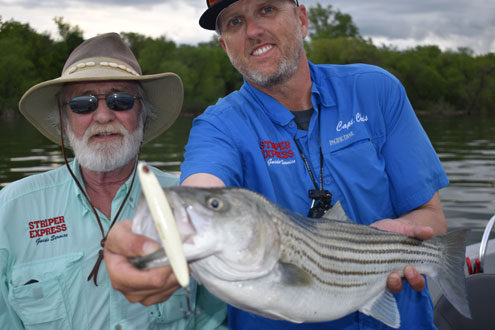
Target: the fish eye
pixel 214 203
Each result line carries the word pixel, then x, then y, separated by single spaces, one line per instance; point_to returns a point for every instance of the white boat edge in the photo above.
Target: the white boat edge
pixel 472 252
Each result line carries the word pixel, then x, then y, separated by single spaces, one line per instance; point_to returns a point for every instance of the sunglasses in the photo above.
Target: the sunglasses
pixel 88 103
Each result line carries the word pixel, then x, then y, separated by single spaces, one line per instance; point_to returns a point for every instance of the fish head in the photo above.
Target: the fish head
pixel 228 231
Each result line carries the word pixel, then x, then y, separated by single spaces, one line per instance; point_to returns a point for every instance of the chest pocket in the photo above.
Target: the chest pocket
pixel 174 312
pixel 45 294
pixel 359 172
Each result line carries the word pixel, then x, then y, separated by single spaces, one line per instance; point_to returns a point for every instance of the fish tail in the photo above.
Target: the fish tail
pixel 450 278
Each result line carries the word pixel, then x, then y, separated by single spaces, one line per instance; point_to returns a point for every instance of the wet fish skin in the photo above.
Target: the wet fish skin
pixel 270 261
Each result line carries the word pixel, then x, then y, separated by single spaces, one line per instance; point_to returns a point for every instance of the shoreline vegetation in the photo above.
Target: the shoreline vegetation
pixel 15 114
pixel 437 82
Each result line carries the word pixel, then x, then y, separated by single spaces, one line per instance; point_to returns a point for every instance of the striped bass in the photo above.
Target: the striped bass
pixel 262 258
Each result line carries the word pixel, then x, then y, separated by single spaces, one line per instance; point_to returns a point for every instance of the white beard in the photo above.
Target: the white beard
pixel 106 156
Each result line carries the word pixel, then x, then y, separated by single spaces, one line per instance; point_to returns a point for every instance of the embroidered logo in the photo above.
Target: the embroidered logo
pixel 277 152
pixel 359 118
pixel 42 229
pixel 341 138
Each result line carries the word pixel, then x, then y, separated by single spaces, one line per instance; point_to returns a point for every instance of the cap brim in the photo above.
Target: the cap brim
pixel 164 91
pixel 209 18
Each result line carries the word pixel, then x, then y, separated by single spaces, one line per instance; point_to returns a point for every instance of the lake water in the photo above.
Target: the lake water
pixel 465 145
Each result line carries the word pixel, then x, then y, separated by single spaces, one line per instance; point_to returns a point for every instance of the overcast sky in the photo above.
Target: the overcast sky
pixel 401 23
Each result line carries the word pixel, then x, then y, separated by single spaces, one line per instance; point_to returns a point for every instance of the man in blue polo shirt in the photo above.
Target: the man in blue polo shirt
pixel 307 136
pixel 304 134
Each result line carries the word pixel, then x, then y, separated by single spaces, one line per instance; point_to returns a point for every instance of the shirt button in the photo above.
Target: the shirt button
pixel 118 327
pixel 328 181
pixel 291 125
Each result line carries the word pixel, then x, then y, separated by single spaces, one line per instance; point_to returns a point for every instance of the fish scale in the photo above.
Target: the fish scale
pixel 323 248
pixel 265 259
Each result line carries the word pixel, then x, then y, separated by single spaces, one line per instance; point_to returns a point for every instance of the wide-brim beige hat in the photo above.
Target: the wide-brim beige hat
pixel 105 57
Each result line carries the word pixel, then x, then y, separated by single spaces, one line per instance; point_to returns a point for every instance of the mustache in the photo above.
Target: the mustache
pixel 98 129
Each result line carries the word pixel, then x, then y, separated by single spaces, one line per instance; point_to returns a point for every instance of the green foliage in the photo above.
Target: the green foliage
pixel 328 23
pixel 436 81
pixel 342 50
pixel 24 60
pixel 28 58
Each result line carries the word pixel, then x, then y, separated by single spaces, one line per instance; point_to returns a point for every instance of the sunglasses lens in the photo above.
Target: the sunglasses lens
pixel 83 104
pixel 119 102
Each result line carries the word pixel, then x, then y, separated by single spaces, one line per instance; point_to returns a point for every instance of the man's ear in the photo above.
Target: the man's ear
pixel 303 17
pixel 222 43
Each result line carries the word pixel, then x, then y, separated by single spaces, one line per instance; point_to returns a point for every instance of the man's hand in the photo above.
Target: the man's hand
pixel 149 286
pixel 415 279
pixel 422 223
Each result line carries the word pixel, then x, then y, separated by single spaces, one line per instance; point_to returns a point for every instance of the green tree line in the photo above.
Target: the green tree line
pixel 436 81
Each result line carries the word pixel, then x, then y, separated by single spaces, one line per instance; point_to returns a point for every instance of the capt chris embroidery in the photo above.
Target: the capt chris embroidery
pixel 277 153
pixel 47 230
pixel 359 118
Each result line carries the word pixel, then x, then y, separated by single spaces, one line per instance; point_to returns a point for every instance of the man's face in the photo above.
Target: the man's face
pixel 264 39
pixel 104 140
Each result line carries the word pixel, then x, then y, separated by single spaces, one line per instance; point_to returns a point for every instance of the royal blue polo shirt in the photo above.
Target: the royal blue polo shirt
pixel 378 162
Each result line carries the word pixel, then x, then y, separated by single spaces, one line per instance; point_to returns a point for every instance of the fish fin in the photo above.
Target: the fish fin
pixel 337 213
pixel 451 278
pixel 384 309
pixel 276 315
pixel 294 275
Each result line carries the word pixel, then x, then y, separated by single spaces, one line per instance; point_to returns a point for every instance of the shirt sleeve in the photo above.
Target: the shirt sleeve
pixel 8 318
pixel 211 149
pixel 411 162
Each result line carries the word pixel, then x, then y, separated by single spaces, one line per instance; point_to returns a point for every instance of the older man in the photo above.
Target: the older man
pixel 54 225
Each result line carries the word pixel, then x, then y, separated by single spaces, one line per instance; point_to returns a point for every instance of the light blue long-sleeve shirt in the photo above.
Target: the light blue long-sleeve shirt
pixel 49 243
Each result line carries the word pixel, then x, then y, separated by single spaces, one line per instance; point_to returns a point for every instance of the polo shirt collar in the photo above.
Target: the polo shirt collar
pixel 277 112
pixel 321 90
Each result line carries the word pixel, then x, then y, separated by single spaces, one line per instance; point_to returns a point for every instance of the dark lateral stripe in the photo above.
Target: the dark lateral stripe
pixel 368 237
pixel 404 260
pixel 334 284
pixel 340 272
pixel 352 246
pixel 353 233
pixel 326 282
pixel 307 260
pixel 326 225
pixel 355 245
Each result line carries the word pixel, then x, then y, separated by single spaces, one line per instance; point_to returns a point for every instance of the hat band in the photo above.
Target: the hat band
pixel 103 63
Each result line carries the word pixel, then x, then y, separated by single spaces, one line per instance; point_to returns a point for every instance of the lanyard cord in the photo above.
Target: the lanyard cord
pixel 94 271
pixel 306 161
pixel 321 199
pixel 309 168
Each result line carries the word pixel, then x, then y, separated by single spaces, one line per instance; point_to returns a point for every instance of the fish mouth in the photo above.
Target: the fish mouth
pixel 183 218
pixel 195 227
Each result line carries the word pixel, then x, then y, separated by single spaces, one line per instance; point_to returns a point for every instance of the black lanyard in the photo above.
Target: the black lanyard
pixel 321 199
